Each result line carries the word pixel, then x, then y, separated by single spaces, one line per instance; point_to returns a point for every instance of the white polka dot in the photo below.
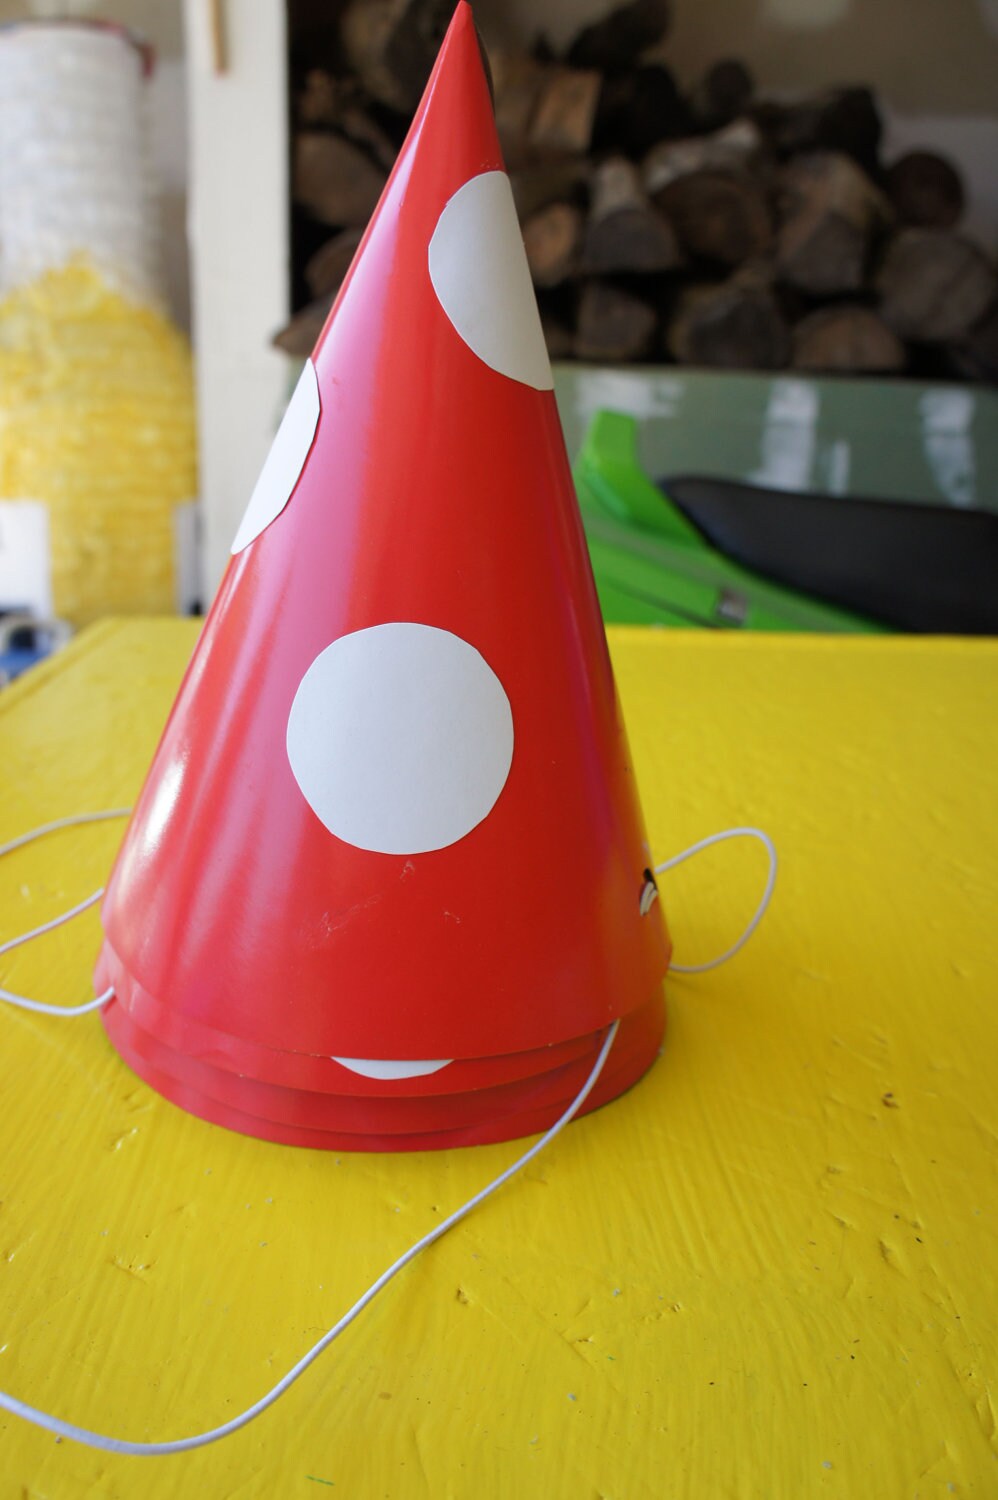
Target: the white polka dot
pixel 370 1067
pixel 285 461
pixel 479 271
pixel 400 738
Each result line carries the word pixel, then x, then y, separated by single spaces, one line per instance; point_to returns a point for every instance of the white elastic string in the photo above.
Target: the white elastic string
pixel 719 838
pixel 41 1007
pixel 67 916
pixel 201 1439
pixel 70 822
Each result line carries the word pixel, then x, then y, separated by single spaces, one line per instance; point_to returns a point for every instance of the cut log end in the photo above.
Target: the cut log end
pixel 926 190
pixel 335 180
pixel 625 233
pixel 733 326
pixel 392 45
pixel 847 339
pixel 613 325
pixel 831 215
pixel 718 216
pixel 631 240
pixel 552 237
pixel 935 285
pixel 565 111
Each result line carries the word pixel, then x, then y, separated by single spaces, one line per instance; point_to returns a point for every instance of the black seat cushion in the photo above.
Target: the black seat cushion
pixel 914 567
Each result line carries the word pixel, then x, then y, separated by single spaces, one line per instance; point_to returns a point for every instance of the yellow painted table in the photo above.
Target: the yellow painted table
pixel 770 1270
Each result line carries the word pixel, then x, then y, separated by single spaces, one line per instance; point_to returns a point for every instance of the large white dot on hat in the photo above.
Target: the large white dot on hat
pixel 285 461
pixel 400 738
pixel 479 271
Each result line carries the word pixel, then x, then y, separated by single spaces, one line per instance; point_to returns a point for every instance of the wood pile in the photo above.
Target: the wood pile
pixel 702 225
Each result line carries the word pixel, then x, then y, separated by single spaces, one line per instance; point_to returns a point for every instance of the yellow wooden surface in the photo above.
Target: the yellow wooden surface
pixel 770 1270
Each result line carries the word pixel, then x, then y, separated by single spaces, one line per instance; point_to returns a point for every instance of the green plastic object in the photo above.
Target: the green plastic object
pixel 653 567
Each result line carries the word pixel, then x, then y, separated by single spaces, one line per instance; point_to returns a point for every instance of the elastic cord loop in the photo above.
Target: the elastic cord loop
pixel 71 822
pixel 41 1007
pixel 719 838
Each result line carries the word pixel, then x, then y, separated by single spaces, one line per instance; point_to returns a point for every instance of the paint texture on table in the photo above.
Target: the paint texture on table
pixel 768 1270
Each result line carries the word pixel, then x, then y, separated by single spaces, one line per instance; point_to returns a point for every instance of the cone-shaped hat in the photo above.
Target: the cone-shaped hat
pixel 392 816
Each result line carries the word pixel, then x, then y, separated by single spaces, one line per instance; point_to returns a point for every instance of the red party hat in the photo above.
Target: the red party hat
pixel 387 882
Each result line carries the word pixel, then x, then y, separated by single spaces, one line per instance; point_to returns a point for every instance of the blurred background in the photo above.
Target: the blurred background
pixel 763 229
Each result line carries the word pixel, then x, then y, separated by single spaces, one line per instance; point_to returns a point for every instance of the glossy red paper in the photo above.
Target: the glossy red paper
pixel 350 1122
pixel 327 1074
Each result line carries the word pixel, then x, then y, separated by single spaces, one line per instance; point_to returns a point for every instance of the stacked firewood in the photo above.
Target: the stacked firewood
pixel 709 227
